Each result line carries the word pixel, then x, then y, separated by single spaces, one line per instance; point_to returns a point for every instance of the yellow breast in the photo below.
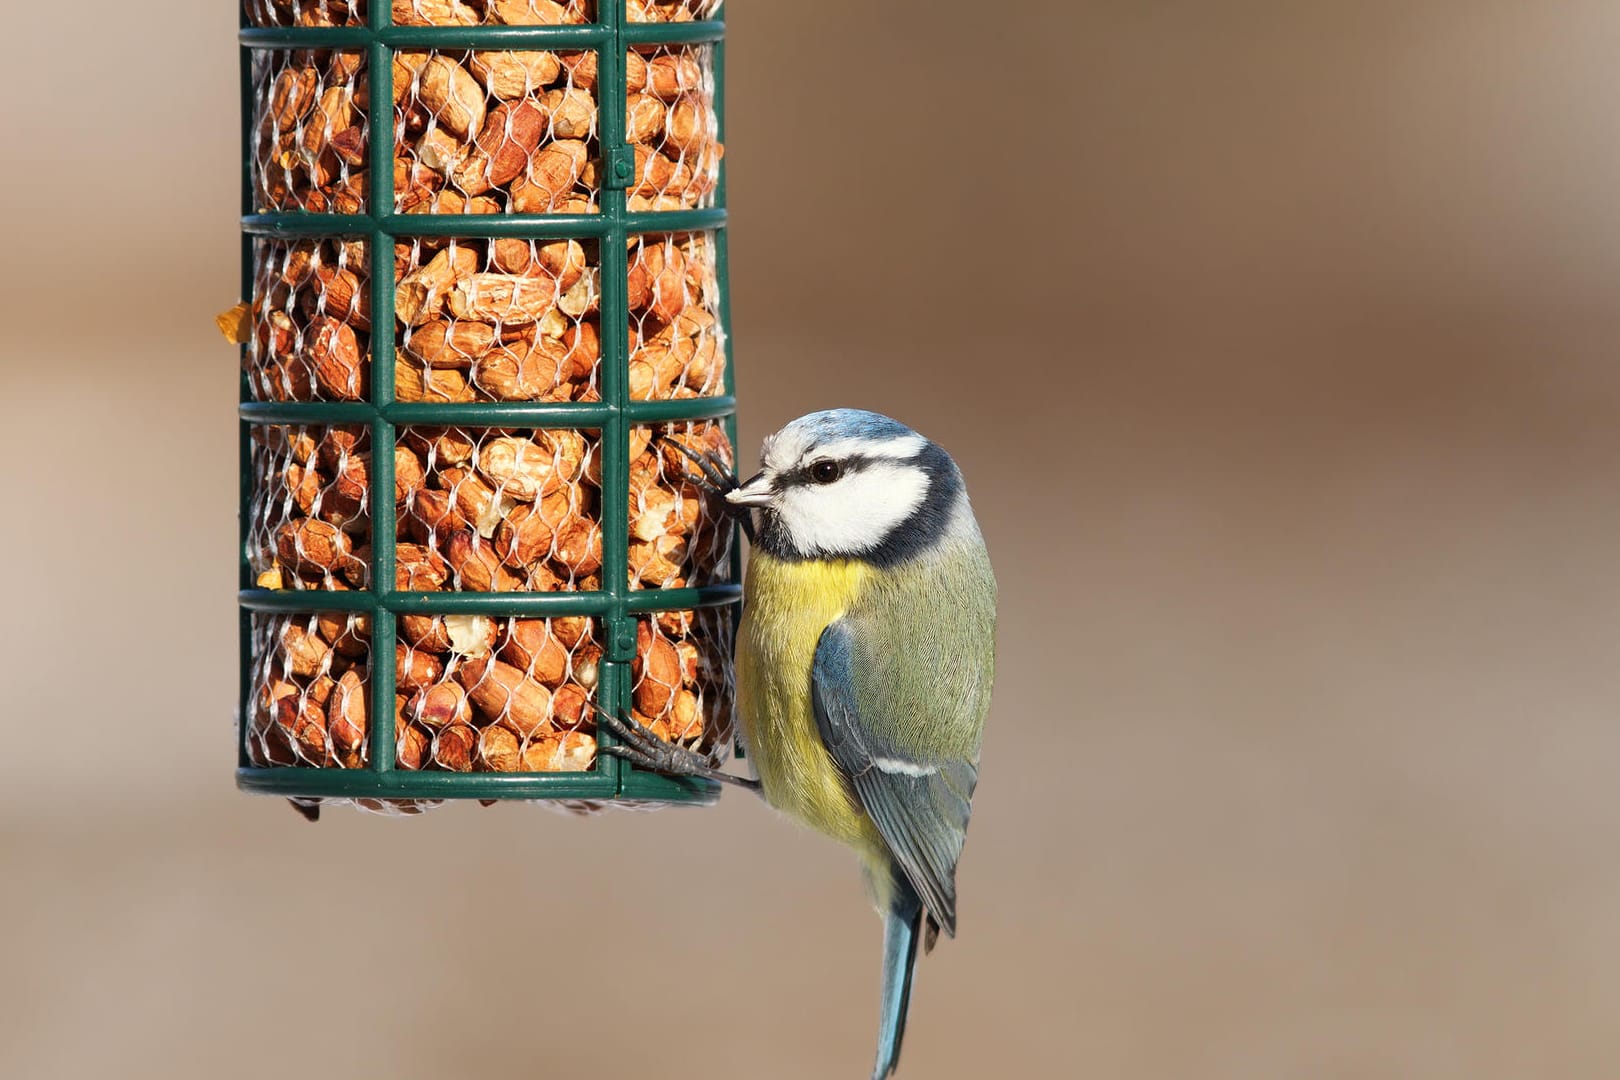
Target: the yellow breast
pixel 787 606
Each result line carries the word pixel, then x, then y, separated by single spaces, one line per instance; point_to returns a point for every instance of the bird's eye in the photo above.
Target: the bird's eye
pixel 825 472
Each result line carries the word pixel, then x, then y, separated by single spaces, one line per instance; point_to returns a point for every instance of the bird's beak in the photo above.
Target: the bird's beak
pixel 755 492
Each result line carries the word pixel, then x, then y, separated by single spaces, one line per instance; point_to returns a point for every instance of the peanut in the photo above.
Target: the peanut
pixel 506 695
pixel 499 750
pixel 511 75
pixel 420 293
pixel 334 353
pixel 529 646
pixel 349 635
pixel 414 669
pixel 451 95
pixel 446 343
pixel 570 751
pixel 411 383
pixel 503 298
pixel 552 172
pixel 454 748
pixel 508 374
pixel 346 713
pixel 521 468
pixel 439 705
pixel 655 671
pixel 419 569
pixel 571 111
pixel 477 567
pixel 303 653
pixel 530 12
pixel 433 13
pixel 508 138
pixel 411 745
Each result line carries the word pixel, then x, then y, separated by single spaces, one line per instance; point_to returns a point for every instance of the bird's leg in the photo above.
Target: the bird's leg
pixel 641 747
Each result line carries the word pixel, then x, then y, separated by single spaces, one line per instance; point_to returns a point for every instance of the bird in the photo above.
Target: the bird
pixel 865 660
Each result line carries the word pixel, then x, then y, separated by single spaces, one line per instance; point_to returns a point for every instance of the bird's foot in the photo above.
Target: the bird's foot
pixel 715 477
pixel 641 747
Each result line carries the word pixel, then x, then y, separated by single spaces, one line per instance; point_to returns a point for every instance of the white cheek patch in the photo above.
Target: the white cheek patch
pixel 856 512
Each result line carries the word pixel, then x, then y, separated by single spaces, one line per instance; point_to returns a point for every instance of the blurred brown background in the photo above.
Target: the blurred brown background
pixel 1278 343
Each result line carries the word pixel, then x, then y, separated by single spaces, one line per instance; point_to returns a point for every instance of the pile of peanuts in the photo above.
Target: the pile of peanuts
pixel 482 510
pixel 470 12
pixel 475 693
pixel 483 131
pixel 482 320
pixel 479 133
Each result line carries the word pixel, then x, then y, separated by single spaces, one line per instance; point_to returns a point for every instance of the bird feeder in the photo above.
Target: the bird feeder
pixel 484 282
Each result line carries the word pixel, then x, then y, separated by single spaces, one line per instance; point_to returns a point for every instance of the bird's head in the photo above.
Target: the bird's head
pixel 849 484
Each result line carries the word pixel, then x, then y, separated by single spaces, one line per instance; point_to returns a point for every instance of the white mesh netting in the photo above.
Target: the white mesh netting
pixel 485 12
pixel 482 131
pixel 647 11
pixel 469 12
pixel 677 349
pixel 476 693
pixel 306 12
pixel 310 690
pixel 480 510
pixel 309 517
pixel 679 533
pixel 501 510
pixel 483 694
pixel 497 320
pixel 671 123
pixel 309 130
pixel 504 510
pixel 489 132
pixel 489 511
pixel 310 321
pixel 483 320
pixel 681 678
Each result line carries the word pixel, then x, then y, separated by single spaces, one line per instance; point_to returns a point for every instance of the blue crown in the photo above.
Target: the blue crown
pixel 830 425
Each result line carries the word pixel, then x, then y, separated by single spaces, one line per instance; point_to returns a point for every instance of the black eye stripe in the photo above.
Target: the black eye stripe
pixel 846 466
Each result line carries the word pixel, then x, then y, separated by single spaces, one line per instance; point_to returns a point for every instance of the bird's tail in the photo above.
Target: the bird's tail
pixel 902 932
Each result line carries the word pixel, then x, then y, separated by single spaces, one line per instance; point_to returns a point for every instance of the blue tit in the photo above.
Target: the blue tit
pixel 864 664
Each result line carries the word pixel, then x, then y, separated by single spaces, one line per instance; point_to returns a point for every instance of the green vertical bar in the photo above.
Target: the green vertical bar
pixel 380 118
pixel 720 118
pixel 722 270
pixel 618 627
pixel 244 441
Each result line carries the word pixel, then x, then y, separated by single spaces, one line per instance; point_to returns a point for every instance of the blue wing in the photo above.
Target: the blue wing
pixel 920 800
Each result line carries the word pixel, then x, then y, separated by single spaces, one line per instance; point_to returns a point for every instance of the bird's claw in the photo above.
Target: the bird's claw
pixel 714 476
pixel 641 747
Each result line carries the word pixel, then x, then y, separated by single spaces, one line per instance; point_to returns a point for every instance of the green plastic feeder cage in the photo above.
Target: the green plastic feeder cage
pixel 484 269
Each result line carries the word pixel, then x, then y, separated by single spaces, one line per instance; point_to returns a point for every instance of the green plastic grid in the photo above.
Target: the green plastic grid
pixel 616 605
